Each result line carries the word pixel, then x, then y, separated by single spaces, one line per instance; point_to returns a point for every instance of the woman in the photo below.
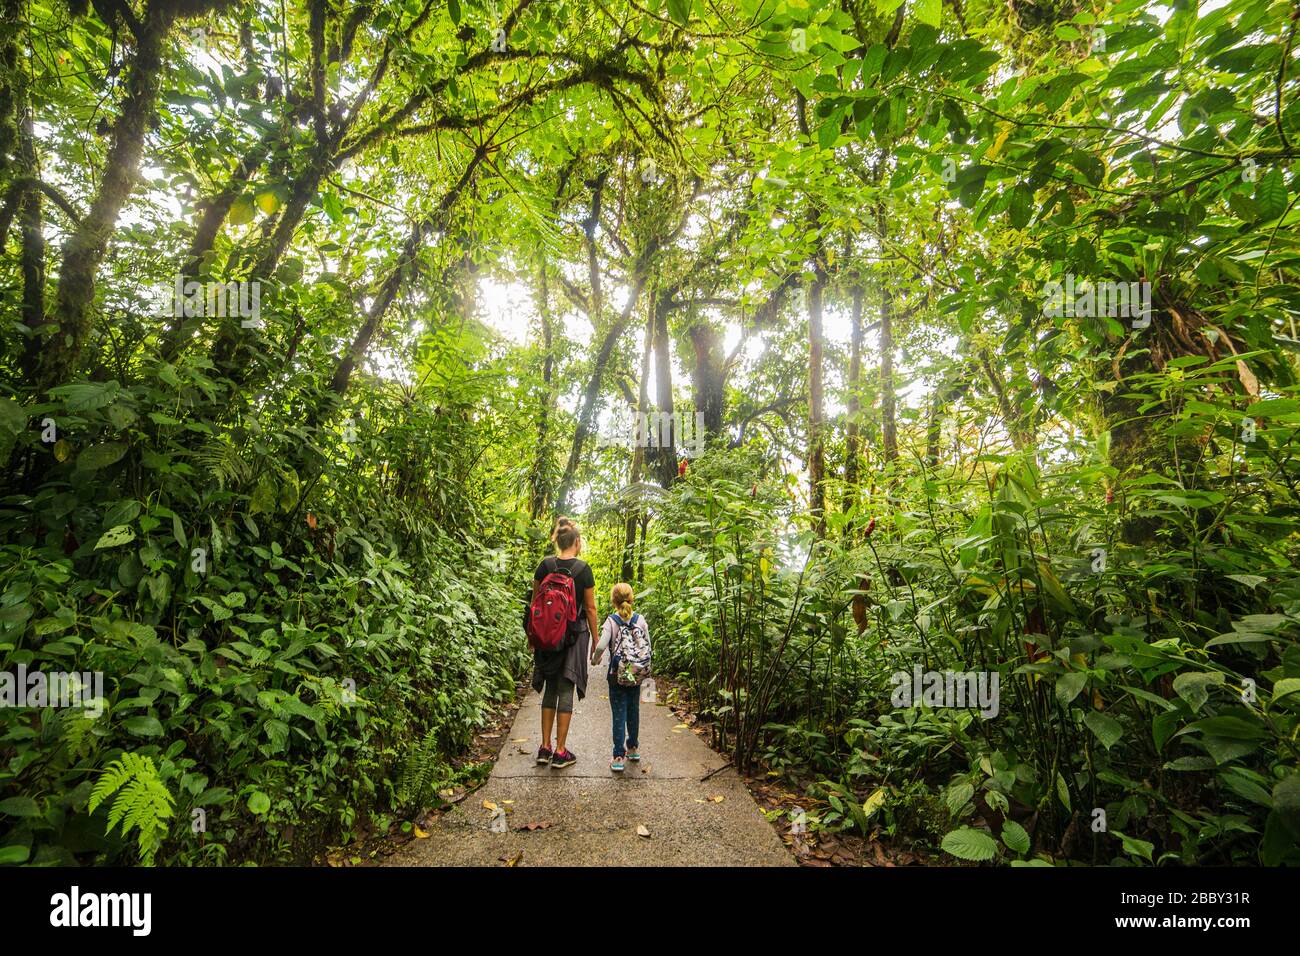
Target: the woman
pixel 557 674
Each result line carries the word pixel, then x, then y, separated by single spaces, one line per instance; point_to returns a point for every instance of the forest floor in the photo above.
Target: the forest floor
pixel 680 806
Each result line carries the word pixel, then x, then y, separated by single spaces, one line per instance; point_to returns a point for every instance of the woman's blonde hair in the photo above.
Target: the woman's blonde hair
pixel 620 595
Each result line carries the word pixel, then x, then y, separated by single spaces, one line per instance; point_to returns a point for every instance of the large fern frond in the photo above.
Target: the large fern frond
pixel 142 803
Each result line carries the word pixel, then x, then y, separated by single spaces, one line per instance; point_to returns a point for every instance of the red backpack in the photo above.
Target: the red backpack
pixel 553 607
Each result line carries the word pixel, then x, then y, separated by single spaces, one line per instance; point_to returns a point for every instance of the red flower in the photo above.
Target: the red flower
pixel 681 468
pixel 871 526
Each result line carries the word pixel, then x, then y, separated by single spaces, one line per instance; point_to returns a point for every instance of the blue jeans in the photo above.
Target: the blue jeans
pixel 625 703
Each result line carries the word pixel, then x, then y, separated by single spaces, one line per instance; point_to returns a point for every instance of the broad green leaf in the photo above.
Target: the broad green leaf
pixel 1068 686
pixel 1194 687
pixel 970 844
pixel 115 537
pixel 1015 837
pixel 143 726
pixel 1107 728
pixel 19 807
pixel 929 12
pixel 101 456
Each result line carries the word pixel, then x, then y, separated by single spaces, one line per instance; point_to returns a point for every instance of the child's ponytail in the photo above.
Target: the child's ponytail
pixel 620 596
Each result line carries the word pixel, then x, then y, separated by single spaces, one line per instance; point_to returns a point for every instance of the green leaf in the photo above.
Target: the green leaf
pixel 1270 194
pixel 1107 728
pixel 1015 837
pixel 1235 728
pixel 242 211
pixel 680 11
pixel 1286 803
pixel 13 418
pixel 268 200
pixel 115 537
pixel 20 807
pixel 1195 687
pixel 101 456
pixel 970 844
pixel 1134 846
pixel 12 855
pixel 929 12
pixel 1069 685
pixel 264 496
pixel 873 61
pixel 143 726
pixel 1288 685
pixel 259 802
pixel 958 796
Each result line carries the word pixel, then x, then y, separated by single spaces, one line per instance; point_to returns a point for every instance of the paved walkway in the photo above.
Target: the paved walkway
pixel 593 814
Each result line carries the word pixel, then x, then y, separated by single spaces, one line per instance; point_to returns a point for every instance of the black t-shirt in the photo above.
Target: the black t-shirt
pixel 582 578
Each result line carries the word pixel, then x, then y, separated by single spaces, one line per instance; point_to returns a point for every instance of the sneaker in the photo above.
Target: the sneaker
pixel 634 755
pixel 563 758
pixel 616 765
pixel 544 754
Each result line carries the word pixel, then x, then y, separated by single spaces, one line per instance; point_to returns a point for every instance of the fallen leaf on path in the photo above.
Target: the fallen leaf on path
pixel 489 805
pixel 519 740
pixel 421 834
pixel 641 831
pixel 681 726
pixel 717 799
pixel 507 802
pixel 512 861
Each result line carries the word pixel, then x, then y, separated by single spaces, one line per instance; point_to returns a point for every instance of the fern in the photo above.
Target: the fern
pixel 142 802
pixel 422 768
pixel 74 727
pixel 224 462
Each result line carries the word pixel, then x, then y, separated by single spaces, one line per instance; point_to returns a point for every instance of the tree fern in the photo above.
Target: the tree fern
pixel 142 802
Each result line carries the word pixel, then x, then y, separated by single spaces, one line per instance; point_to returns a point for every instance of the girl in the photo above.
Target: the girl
pixel 557 674
pixel 624 699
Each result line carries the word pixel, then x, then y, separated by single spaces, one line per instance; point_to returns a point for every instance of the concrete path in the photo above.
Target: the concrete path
pixel 593 814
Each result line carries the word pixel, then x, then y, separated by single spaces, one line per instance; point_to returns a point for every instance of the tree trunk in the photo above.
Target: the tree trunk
pixel 539 481
pixel 816 403
pixel 664 459
pixel 84 249
pixel 31 224
pixel 633 518
pixel 709 377
pixel 888 400
pixel 853 433
pixel 587 410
